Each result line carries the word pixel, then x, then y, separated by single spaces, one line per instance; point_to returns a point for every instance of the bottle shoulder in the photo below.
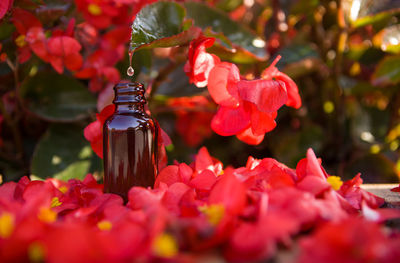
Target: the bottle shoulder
pixel 133 120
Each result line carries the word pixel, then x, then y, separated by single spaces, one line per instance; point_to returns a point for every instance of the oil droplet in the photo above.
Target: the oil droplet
pixel 130 71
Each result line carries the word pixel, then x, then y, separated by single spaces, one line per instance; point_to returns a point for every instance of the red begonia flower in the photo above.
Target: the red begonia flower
pixel 272 72
pixel 200 62
pixel 247 108
pixel 98 13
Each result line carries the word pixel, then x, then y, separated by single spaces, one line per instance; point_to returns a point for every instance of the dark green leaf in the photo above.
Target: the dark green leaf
pixel 63 153
pixel 161 25
pixel 6 29
pixel 205 17
pixel 304 7
pixel 295 53
pixel 55 97
pixel 388 71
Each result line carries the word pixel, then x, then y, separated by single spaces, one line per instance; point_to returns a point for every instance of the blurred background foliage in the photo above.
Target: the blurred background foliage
pixel 343 55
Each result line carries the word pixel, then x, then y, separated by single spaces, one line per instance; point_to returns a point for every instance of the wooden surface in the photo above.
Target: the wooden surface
pixel 383 190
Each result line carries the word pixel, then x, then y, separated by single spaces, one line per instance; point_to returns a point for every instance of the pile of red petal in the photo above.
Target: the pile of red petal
pixel 247 108
pixel 200 212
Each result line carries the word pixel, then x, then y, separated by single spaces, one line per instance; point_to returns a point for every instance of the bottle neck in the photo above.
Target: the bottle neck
pixel 129 97
pixel 126 108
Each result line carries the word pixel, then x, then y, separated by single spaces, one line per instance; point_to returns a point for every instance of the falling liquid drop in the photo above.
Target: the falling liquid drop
pixel 130 71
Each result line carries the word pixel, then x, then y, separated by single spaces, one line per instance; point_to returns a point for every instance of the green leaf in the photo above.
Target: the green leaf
pixel 388 71
pixel 250 46
pixel 388 39
pixel 6 29
pixel 161 25
pixel 63 153
pixel 57 98
pixel 302 7
pixel 365 12
pixel 228 5
pixel 296 53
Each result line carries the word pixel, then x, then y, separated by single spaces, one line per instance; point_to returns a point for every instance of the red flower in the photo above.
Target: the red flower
pixel 247 108
pixel 193 118
pixel 200 62
pixel 272 72
pixel 352 240
pixel 98 13
pixel 98 67
pixel 59 50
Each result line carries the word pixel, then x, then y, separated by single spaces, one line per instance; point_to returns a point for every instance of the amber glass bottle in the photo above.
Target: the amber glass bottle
pixel 130 142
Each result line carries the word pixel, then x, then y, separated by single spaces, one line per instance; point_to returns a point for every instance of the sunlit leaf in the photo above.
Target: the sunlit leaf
pixel 63 153
pixel 161 25
pixel 243 40
pixel 388 71
pixel 55 97
pixel 364 12
pixel 388 39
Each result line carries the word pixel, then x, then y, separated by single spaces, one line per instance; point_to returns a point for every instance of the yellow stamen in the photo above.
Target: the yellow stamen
pixel 20 41
pixel 335 182
pixel 94 9
pixel 36 252
pixel 55 202
pixel 214 213
pixel 7 224
pixel 63 189
pixel 104 225
pixel 47 215
pixel 165 246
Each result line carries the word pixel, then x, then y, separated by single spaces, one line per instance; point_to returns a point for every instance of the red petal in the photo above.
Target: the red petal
pixel 229 192
pixel 222 84
pixel 268 95
pixel 204 180
pixel 261 122
pixel 63 46
pixel 230 121
pixel 73 61
pixel 93 131
pixel 86 73
pixel 248 137
pixel 57 64
pixel 168 175
pixel 105 113
pixel 24 20
pixel 294 99
pixel 314 166
pixel 203 160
